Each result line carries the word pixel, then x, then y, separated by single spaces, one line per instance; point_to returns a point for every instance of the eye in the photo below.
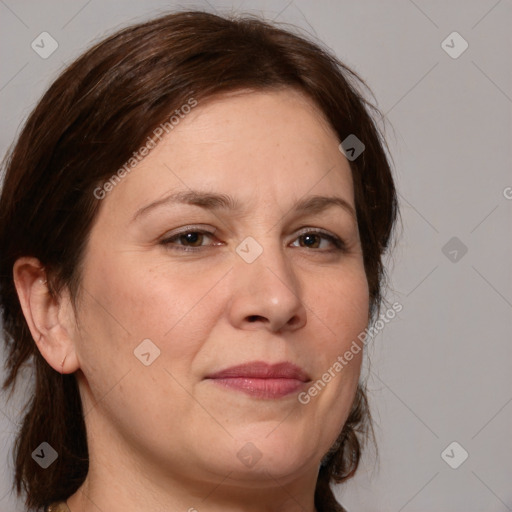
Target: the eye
pixel 188 240
pixel 317 239
pixel 193 239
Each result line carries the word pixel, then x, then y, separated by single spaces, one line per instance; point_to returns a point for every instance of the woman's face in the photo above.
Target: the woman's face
pixel 232 271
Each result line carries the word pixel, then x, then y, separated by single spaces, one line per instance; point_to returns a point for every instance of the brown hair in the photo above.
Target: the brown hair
pixel 88 124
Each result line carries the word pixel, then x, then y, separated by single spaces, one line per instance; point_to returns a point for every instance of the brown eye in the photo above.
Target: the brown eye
pixel 193 239
pixel 310 240
pixel 321 241
pixel 188 240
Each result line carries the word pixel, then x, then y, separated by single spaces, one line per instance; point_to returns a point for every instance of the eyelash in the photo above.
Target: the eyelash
pixel 338 243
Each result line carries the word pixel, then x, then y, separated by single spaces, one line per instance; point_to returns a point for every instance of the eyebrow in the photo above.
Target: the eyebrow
pixel 211 201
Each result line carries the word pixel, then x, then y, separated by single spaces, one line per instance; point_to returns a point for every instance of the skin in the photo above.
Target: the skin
pixel 163 437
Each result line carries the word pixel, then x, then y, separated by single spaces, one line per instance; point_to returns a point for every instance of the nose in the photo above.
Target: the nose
pixel 267 293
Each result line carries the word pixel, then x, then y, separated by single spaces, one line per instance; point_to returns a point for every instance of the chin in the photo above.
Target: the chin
pixel 284 468
pixel 275 452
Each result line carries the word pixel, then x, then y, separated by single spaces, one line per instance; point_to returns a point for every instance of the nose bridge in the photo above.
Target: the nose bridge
pixel 264 259
pixel 267 287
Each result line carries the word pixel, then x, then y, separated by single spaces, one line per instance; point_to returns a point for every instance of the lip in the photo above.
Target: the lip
pixel 262 380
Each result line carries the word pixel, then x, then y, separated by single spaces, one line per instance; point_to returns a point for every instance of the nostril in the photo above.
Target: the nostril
pixel 255 318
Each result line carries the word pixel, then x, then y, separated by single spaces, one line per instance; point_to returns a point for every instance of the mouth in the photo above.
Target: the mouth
pixel 262 380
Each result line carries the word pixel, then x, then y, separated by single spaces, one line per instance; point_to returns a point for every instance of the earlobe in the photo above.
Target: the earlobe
pixel 50 319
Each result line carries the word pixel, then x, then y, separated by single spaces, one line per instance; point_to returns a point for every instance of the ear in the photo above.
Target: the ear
pixel 51 320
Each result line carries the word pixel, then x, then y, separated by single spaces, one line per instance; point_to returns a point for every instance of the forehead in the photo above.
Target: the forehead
pixel 274 144
pixel 248 118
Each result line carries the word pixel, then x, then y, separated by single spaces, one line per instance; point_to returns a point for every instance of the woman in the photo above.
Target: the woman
pixel 193 222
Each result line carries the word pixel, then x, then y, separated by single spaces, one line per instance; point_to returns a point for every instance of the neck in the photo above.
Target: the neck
pixel 119 480
pixel 227 495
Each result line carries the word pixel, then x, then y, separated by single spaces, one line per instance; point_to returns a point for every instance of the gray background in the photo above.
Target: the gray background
pixel 440 371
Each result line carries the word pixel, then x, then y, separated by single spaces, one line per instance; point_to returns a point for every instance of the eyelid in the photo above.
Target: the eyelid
pixel 199 228
pixel 310 229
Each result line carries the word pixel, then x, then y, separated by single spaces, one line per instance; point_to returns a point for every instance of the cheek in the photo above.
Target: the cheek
pixel 342 306
pixel 129 302
pixel 121 308
pixel 341 313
